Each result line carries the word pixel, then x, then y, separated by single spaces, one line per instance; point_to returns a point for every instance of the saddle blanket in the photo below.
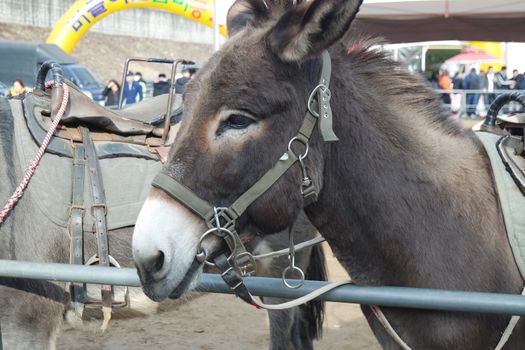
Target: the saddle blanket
pixel 126 181
pixel 512 200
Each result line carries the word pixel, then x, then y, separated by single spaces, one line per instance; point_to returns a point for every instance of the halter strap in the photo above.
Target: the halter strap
pixel 318 111
pixel 222 220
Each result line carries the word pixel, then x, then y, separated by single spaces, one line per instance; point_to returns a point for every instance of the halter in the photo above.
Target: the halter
pixel 221 220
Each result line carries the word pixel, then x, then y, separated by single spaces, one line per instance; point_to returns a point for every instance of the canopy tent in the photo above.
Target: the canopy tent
pixel 426 20
pixel 473 55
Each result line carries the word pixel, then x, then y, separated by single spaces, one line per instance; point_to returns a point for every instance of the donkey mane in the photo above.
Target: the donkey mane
pixel 365 56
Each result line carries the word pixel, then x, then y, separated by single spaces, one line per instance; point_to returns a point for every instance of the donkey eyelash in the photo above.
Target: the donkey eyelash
pixel 234 120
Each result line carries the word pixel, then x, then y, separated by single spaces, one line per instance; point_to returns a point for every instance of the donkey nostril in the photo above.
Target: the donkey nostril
pixel 160 262
pixel 153 263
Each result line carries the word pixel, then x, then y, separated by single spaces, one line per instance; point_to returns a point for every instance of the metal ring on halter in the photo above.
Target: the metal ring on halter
pixel 210 231
pixel 325 90
pixel 293 286
pixel 307 148
pixel 244 270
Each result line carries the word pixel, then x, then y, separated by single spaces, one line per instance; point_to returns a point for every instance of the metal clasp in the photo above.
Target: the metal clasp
pixel 323 101
pixel 307 186
pixel 202 254
pixel 292 267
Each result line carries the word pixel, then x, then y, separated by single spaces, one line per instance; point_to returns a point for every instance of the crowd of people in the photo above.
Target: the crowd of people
pixel 485 86
pixel 135 88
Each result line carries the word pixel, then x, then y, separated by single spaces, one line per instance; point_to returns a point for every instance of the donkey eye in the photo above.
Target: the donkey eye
pixel 236 122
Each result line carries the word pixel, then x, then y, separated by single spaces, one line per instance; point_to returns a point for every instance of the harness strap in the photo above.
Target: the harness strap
pixel 205 210
pixel 388 327
pixel 264 183
pixel 510 328
pixel 183 194
pixel 232 278
pixel 99 210
pixel 323 99
pixel 221 221
pixel 76 214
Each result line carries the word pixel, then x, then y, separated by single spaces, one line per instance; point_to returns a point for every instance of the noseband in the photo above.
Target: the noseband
pixel 221 221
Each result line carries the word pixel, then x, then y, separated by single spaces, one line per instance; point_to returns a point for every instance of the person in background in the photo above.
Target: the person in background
pixel 501 81
pixel 111 93
pixel 471 82
pixel 161 86
pixel 433 80
pixel 180 84
pixel 445 84
pixel 132 90
pixel 488 85
pixel 455 98
pixel 518 83
pixel 138 78
pixel 516 76
pixel 457 81
pixel 18 89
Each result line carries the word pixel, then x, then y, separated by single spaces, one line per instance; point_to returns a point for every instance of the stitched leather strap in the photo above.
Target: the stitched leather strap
pixel 323 99
pixel 264 183
pixel 99 209
pixel 232 278
pixel 76 214
pixel 183 194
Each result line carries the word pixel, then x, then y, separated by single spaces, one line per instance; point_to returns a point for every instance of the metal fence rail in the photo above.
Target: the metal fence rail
pixel 463 106
pixel 419 298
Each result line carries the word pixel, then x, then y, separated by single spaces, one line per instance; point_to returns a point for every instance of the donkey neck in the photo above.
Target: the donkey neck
pixel 401 187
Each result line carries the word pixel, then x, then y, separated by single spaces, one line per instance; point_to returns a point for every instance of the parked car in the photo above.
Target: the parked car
pixel 21 60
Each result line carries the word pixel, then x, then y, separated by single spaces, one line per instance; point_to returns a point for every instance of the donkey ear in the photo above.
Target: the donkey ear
pixel 311 27
pixel 245 12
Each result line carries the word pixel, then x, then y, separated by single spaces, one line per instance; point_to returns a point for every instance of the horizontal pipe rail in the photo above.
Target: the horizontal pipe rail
pixel 418 298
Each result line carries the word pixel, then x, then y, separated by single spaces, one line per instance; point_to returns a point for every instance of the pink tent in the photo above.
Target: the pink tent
pixel 473 55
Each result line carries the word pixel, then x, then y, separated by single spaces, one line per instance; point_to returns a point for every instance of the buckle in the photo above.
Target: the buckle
pixel 325 95
pixel 221 217
pixel 99 205
pixel 309 195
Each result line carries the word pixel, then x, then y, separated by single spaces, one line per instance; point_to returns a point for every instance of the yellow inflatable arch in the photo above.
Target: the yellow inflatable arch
pixel 85 13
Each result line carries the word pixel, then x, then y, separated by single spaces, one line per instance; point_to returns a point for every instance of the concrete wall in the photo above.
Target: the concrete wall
pixel 134 22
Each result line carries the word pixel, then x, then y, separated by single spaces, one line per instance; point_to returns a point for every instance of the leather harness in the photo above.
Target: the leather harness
pixel 221 221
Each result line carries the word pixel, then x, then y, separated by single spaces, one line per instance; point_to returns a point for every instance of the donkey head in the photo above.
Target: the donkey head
pixel 240 112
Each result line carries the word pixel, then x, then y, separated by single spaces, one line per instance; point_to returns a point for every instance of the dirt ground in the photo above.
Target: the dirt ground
pixel 208 321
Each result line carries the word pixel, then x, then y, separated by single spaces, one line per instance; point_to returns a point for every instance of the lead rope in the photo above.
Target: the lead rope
pixel 38 156
pixel 297 247
pixel 510 328
pixel 388 327
pixel 375 309
pixel 391 331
